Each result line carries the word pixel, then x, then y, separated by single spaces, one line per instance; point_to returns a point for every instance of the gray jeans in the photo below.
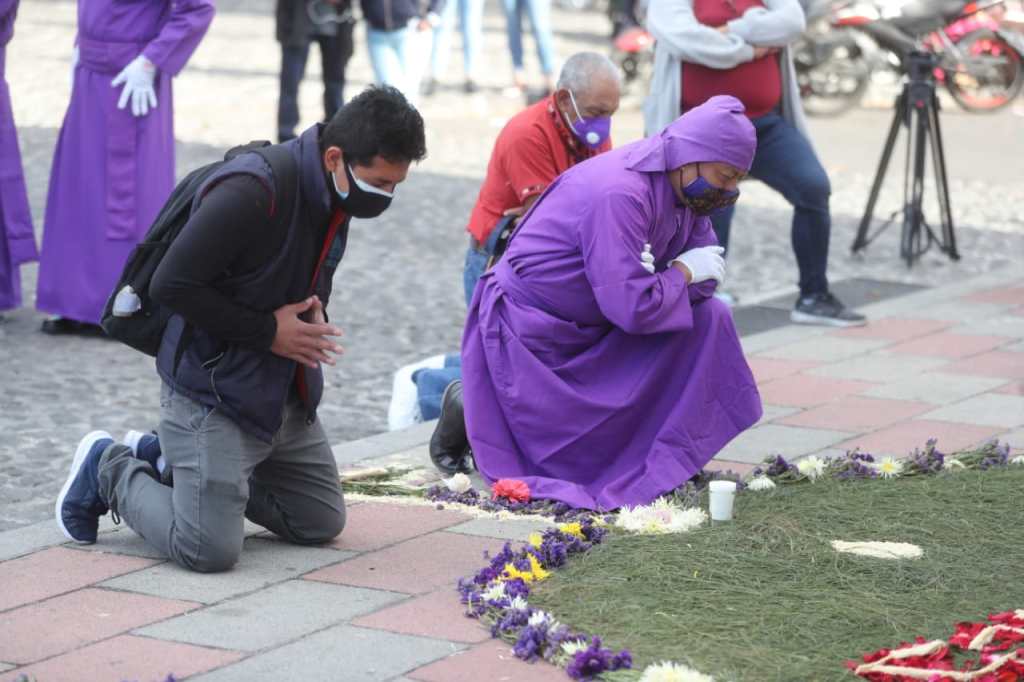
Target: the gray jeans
pixel 223 475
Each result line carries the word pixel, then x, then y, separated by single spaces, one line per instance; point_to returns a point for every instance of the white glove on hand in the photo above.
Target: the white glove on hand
pixel 647 259
pixel 138 79
pixel 704 263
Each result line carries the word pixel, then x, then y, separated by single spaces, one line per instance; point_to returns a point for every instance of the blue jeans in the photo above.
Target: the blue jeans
pixel 389 56
pixel 473 270
pixel 539 12
pixel 430 385
pixel 785 162
pixel 471 21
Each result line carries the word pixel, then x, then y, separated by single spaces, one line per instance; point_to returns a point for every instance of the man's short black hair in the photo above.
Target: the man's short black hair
pixel 379 121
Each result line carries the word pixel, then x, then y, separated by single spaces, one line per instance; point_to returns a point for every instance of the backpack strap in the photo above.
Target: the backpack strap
pixel 285 168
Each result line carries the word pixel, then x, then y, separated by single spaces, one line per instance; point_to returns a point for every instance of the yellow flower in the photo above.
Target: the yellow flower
pixel 573 528
pixel 538 571
pixel 535 574
pixel 536 540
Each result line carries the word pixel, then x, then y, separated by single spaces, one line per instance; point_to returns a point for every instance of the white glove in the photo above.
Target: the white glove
pixel 704 263
pixel 138 79
pixel 647 259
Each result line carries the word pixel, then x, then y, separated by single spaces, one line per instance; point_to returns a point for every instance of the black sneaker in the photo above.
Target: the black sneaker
pixel 449 445
pixel 825 309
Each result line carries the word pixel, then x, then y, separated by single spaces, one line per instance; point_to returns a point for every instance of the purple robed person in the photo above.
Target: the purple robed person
pixel 114 165
pixel 17 242
pixel 595 381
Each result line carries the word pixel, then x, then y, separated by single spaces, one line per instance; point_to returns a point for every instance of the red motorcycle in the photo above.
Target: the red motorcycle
pixel 633 51
pixel 979 62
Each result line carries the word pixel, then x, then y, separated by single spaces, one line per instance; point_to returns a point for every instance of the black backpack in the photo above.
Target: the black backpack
pixel 130 315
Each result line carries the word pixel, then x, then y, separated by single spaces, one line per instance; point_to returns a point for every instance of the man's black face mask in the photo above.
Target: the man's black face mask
pixel 362 200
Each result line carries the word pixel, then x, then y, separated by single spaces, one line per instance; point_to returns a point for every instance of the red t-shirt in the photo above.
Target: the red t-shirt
pixel 534 148
pixel 758 83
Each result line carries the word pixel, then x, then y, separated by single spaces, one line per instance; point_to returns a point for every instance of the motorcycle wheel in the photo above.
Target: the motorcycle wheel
pixel 833 85
pixel 989 77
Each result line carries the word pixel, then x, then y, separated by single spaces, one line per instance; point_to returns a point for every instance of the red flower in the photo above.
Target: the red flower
pixel 1003 639
pixel 1007 618
pixel 965 634
pixel 512 489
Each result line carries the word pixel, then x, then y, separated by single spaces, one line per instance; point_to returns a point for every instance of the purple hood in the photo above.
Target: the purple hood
pixel 716 131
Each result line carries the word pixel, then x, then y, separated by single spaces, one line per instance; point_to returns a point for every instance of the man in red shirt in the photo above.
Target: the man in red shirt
pixel 538 144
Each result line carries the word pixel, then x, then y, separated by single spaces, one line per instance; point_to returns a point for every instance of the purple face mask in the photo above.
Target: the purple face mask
pixel 590 131
pixel 705 199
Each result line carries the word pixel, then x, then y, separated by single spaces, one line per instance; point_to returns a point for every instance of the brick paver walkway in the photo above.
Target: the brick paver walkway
pixel 379 603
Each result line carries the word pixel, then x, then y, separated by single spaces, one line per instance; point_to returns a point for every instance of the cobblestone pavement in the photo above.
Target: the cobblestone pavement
pixel 398 292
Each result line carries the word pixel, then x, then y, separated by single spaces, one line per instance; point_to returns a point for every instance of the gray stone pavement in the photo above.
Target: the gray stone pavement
pixel 398 292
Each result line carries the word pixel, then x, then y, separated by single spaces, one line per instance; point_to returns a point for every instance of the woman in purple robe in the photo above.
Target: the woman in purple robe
pixel 114 164
pixel 597 366
pixel 17 242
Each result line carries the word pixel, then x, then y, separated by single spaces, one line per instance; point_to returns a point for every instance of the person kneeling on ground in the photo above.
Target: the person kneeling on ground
pixel 597 366
pixel 248 280
pixel 535 146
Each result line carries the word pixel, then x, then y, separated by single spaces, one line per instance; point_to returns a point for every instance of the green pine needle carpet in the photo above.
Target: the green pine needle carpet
pixel 765 597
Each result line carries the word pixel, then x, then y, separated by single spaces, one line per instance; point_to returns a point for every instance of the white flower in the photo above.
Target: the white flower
pixel 574 646
pixel 761 483
pixel 459 483
pixel 495 592
pixel 812 467
pixel 661 516
pixel 518 604
pixel 889 467
pixel 1019 459
pixel 538 618
pixel 879 550
pixel 673 672
pixel 953 463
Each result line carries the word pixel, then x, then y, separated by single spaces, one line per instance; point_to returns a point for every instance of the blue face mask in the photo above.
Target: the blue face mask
pixel 703 198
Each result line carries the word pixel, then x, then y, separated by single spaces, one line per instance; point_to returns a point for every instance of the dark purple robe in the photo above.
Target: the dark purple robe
pixel 112 171
pixel 17 242
pixel 596 383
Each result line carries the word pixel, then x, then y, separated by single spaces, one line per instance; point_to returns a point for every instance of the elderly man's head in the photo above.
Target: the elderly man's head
pixel 588 94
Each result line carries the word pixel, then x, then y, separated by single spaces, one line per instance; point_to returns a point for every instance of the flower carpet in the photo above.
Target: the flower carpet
pixel 827 561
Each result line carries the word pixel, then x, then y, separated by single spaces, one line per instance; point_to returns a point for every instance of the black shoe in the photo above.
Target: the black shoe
pixel 449 445
pixel 470 87
pixel 825 309
pixel 63 325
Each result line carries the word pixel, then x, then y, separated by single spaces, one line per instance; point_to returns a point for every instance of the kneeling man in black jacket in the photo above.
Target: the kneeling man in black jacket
pixel 248 279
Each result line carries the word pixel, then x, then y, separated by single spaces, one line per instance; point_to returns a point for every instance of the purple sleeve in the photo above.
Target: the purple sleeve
pixel 180 36
pixel 702 235
pixel 612 235
pixel 7 6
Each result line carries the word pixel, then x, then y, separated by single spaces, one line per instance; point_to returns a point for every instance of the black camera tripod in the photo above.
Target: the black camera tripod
pixel 917 108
